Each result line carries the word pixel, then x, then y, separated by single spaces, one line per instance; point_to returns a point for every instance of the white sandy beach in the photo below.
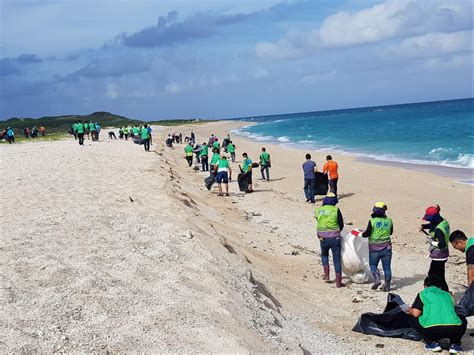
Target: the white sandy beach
pixel 108 248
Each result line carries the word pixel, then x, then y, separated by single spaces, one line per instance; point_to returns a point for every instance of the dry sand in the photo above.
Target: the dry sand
pixel 108 248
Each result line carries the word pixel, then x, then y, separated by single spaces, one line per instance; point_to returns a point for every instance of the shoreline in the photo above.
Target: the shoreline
pixel 462 175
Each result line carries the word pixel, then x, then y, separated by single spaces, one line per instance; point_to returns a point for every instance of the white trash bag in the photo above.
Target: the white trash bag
pixel 355 258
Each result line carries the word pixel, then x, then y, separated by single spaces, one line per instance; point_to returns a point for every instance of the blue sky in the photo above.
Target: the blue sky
pixel 220 58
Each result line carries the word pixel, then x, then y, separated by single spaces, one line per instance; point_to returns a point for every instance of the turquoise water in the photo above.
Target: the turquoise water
pixel 437 133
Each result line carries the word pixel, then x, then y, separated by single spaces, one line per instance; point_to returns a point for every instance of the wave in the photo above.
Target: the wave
pixel 434 157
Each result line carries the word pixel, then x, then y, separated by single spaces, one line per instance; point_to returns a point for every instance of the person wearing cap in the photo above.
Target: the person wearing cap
pixel 462 243
pixel 329 226
pixel 438 239
pixel 379 231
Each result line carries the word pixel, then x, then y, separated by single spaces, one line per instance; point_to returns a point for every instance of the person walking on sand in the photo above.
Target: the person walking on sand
pixel 92 130
pixel 204 156
pixel 10 135
pixel 86 129
pixel 145 136
pixel 309 169
pixel 189 153
pixel 80 132
pixel 231 150
pixel 433 315
pixel 214 161
pixel 247 170
pixel 379 231
pixel 126 132
pixel 224 174
pixel 216 145
pixel 330 168
pixel 438 239
pixel 265 164
pixel 329 226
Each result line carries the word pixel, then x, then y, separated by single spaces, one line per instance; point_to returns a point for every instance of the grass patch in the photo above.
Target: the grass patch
pixel 47 137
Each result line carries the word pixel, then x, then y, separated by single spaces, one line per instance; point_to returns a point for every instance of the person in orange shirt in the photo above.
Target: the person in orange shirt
pixel 330 168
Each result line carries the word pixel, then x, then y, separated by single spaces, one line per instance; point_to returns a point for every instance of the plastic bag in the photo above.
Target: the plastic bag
pixel 393 322
pixel 355 258
pixel 465 306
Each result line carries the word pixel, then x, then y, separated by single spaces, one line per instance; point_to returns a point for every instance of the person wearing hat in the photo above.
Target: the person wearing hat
pixel 329 227
pixel 438 239
pixel 379 231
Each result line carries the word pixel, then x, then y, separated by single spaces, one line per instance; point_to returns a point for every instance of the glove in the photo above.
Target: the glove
pixel 356 232
pixel 405 307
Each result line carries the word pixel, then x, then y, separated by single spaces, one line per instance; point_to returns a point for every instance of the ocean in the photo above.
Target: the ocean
pixel 439 133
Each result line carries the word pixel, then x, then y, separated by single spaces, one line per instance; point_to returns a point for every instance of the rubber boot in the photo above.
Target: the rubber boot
pixel 326 273
pixel 377 282
pixel 339 280
pixel 386 286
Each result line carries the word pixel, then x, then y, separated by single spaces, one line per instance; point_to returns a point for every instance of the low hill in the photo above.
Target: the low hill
pixel 63 123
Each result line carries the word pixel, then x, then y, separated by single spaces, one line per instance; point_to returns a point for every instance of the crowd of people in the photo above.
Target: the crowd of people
pixel 433 312
pixel 8 134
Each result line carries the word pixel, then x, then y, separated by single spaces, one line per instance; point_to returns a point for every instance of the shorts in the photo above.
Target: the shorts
pixel 222 176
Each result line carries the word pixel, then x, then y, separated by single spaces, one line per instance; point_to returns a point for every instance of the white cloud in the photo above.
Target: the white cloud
pixel 391 19
pixel 432 44
pixel 395 18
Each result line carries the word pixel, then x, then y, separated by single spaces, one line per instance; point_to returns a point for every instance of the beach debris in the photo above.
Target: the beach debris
pixel 256 214
pixel 379 346
pixel 188 234
pixel 131 199
pixel 349 223
pixel 356 300
pixel 305 351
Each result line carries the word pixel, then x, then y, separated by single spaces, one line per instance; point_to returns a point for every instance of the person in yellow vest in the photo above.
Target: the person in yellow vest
pixel 462 243
pixel 379 231
pixel 329 227
pixel 438 240
pixel 433 316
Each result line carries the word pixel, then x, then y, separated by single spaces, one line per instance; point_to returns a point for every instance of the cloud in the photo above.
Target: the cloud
pixel 169 30
pixel 395 18
pixel 11 66
pixel 432 44
pixel 114 67
pixel 389 20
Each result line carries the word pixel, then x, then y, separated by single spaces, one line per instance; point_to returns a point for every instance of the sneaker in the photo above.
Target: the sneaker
pixel 455 349
pixel 434 347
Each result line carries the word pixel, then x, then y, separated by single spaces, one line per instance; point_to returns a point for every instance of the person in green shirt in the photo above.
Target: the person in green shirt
pixel 433 315
pixel 92 131
pixel 189 153
pixel 247 170
pixel 80 132
pixel 462 243
pixel 204 156
pixel 145 136
pixel 224 174
pixel 126 132
pixel 216 145
pixel 231 150
pixel 265 164
pixel 214 160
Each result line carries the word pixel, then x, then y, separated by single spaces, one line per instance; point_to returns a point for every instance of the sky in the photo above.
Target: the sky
pixel 150 59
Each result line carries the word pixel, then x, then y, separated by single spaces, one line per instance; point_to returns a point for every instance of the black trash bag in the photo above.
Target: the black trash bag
pixel 242 180
pixel 321 184
pixel 392 323
pixel 209 181
pixel 465 306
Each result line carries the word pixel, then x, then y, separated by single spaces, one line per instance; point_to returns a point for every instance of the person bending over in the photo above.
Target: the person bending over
pixel 434 317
